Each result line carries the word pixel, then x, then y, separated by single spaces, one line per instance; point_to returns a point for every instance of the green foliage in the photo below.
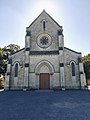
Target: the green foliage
pixel 4 52
pixel 86 62
pixel 10 49
pixel 2 63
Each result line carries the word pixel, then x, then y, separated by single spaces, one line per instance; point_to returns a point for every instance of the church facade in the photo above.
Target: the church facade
pixel 45 63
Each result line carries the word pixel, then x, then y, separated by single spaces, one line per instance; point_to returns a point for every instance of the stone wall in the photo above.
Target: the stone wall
pixel 18 57
pixel 51 29
pixel 35 60
pixel 71 81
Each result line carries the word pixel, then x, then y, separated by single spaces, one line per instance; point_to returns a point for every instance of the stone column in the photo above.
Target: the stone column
pixel 27 51
pixel 82 74
pixel 8 75
pixel 61 59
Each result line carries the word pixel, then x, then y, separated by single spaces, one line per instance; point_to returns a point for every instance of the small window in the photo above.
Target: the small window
pixel 73 69
pixel 44 25
pixel 16 69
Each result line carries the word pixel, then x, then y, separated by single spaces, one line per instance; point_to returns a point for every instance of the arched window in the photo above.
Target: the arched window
pixel 73 69
pixel 16 69
pixel 44 24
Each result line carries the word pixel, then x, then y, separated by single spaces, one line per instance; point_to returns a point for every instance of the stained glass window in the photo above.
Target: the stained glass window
pixel 44 40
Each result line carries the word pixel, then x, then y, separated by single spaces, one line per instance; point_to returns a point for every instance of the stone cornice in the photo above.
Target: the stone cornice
pixel 43 52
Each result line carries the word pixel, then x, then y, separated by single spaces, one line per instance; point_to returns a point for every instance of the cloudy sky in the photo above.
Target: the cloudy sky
pixel 73 15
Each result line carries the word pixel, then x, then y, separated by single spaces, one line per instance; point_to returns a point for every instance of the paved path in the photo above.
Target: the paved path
pixel 49 105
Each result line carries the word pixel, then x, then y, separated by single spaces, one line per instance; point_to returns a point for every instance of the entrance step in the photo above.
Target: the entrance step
pixel 44 90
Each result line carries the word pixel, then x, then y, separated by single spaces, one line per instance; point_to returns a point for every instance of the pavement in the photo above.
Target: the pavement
pixel 45 105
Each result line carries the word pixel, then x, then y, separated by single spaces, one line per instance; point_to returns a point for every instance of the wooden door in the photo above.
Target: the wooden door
pixel 44 81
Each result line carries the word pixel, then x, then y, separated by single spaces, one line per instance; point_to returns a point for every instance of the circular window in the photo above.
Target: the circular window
pixel 44 40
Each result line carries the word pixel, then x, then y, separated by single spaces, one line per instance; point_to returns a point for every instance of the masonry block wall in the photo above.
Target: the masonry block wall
pixel 45 55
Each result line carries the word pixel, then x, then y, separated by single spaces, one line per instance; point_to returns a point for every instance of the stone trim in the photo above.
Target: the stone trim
pixel 8 73
pixel 69 63
pixel 72 50
pixel 59 32
pixel 43 52
pixel 48 64
pixel 28 33
pixel 17 51
pixel 60 48
pixel 40 37
pixel 39 73
pixel 79 60
pixel 81 72
pixel 27 49
pixel 10 61
pixel 26 64
pixel 61 64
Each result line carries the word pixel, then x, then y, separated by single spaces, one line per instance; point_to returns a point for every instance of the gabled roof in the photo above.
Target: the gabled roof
pixel 17 51
pixel 72 50
pixel 40 15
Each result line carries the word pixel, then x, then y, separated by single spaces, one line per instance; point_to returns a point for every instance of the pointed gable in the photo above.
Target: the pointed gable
pixel 44 26
pixel 42 16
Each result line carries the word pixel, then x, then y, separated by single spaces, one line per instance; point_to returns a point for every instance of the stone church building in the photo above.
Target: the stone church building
pixel 45 63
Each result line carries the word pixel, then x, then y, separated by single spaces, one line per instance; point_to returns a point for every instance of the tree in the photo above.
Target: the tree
pixel 4 52
pixel 10 49
pixel 86 62
pixel 2 63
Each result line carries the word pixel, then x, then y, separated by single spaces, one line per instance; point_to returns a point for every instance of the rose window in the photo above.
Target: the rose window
pixel 44 40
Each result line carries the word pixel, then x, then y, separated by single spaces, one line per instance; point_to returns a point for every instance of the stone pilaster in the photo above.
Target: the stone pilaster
pixel 8 75
pixel 82 74
pixel 27 61
pixel 61 59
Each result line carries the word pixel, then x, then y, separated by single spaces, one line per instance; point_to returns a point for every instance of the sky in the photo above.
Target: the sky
pixel 73 15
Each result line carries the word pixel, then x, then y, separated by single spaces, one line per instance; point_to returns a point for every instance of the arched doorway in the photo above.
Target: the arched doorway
pixel 44 70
